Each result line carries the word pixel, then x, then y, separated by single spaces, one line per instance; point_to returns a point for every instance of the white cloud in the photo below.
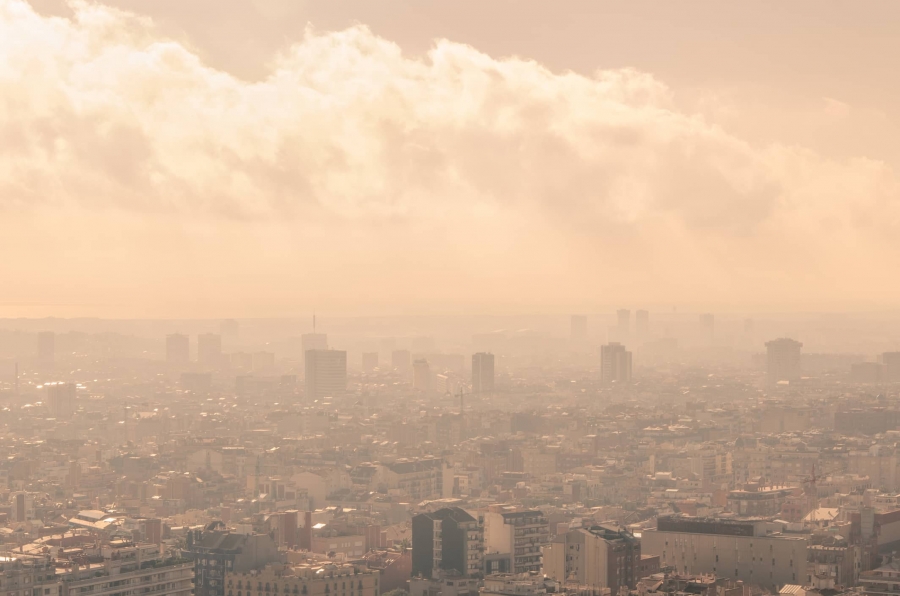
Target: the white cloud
pixel 549 173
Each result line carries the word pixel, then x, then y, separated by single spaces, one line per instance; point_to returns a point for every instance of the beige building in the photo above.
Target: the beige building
pixel 513 539
pixel 741 550
pixel 307 580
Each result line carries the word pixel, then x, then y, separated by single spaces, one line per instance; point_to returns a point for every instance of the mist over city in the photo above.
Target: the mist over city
pixel 469 298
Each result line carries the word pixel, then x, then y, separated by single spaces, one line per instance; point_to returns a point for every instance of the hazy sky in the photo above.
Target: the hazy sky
pixel 262 158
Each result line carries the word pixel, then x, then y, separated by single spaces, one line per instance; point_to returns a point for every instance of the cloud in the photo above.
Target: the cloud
pixel 456 156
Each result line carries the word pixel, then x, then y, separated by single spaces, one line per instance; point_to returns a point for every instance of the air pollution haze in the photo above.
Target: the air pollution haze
pixel 254 162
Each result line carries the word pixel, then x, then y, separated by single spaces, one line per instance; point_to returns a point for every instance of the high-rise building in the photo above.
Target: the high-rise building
pixel 623 323
pixel 783 360
pixel 602 556
pixel 61 398
pixel 447 539
pixel 578 328
pixel 513 539
pixel 642 323
pixel 891 362
pixel 178 349
pixel 46 347
pixel 209 349
pixel 326 373
pixel 482 373
pixel 314 341
pixel 422 375
pixel 615 363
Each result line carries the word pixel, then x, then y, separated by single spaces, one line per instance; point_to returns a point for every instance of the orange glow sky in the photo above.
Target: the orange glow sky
pixel 264 158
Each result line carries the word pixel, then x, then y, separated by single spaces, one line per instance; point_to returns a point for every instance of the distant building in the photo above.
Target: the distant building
pixel 422 376
pixel 178 348
pixel 46 348
pixel 229 328
pixel 602 556
pixel 209 349
pixel 867 372
pixel 891 362
pixel 326 373
pixel 615 363
pixel 578 328
pixel 447 539
pixel 513 539
pixel 783 360
pixel 61 398
pixel 482 373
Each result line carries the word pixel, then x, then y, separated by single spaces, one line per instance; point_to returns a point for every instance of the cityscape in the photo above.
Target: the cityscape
pixel 449 298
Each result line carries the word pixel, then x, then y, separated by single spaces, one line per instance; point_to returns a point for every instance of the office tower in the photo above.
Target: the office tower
pixel 708 327
pixel 314 341
pixel 178 349
pixel 615 363
pixel 209 349
pixel 602 556
pixel 326 373
pixel 422 375
pixel 783 360
pixel 578 328
pixel 891 362
pixel 623 322
pixel 513 539
pixel 482 373
pixel 642 323
pixel 400 360
pixel 46 347
pixel 61 398
pixel 448 539
pixel 369 361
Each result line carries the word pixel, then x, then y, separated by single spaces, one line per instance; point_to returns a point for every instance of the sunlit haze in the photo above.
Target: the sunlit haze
pixel 193 159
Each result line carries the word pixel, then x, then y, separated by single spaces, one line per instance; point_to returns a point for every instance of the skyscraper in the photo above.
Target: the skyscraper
pixel 326 373
pixel 61 398
pixel 783 360
pixel 178 348
pixel 891 362
pixel 209 349
pixel 46 347
pixel 422 375
pixel 482 372
pixel 578 328
pixel 615 363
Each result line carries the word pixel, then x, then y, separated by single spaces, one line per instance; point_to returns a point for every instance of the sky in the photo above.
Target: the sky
pixel 268 158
